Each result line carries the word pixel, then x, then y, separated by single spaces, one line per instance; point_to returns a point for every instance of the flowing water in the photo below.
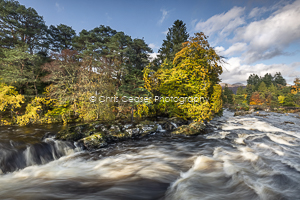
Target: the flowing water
pixel 245 157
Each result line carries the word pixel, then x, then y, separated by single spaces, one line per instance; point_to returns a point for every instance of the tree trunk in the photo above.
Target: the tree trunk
pixel 132 114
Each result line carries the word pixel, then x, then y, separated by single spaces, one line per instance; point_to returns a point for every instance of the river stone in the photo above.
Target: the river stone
pixel 74 133
pixel 94 141
pixel 192 129
pixel 133 131
pixel 242 113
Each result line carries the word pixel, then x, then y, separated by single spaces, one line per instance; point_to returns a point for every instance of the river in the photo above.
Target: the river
pixel 243 157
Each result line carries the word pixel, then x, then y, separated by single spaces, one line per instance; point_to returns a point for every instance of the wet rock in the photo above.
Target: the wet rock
pixel 287 122
pixel 94 141
pixel 148 129
pixel 169 126
pixel 74 133
pixel 133 131
pixel 192 129
pixel 260 115
pixel 242 113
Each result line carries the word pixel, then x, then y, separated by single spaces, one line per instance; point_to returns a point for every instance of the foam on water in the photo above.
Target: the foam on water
pixel 244 158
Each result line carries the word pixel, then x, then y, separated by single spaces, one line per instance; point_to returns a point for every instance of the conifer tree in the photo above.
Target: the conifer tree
pixel 176 35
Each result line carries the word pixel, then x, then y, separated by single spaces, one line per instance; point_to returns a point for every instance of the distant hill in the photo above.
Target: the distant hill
pixel 233 87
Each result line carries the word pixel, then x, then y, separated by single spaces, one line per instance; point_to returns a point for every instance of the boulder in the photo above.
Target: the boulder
pixel 193 128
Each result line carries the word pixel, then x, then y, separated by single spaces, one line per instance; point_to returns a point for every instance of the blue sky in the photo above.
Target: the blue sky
pixel 254 36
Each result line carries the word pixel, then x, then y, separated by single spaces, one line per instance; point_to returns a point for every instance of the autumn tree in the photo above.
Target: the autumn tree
pixel 255 99
pixel 194 73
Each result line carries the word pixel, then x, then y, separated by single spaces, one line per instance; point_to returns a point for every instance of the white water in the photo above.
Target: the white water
pixel 241 158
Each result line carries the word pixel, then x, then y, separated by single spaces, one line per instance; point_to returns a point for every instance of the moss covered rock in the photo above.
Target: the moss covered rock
pixel 95 141
pixel 194 128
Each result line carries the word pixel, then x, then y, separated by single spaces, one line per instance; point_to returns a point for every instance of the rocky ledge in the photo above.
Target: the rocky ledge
pixel 96 135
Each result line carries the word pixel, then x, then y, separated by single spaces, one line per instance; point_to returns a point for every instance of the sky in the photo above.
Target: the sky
pixel 255 36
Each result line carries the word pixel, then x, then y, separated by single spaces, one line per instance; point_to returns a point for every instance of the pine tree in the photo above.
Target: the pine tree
pixel 176 35
pixel 61 37
pixel 132 86
pixel 20 69
pixel 268 79
pixel 278 79
pixel 21 25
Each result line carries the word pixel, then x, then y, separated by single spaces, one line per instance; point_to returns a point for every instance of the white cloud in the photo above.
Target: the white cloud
pixel 164 15
pixel 222 24
pixel 219 50
pixel 59 8
pixel 234 71
pixel 269 37
pixel 152 56
pixel 256 12
pixel 153 46
pixel 235 48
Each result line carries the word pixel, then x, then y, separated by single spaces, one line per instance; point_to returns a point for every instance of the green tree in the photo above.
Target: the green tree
pixel 278 79
pixel 253 79
pixel 250 90
pixel 262 88
pixel 61 37
pixel 20 69
pixel 132 86
pixel 228 95
pixel 241 91
pixel 176 35
pixel 268 79
pixel 21 25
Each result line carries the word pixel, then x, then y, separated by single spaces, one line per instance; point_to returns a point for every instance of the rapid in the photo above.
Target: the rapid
pixel 242 157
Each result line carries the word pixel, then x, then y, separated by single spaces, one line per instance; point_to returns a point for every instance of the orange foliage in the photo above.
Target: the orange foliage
pixel 255 99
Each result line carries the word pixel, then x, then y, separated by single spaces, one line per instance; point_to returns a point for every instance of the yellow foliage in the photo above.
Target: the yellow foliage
pixel 194 73
pixel 142 109
pixel 281 99
pixel 9 97
pixel 32 112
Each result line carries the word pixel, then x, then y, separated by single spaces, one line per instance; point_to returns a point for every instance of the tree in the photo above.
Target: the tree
pixel 296 87
pixel 253 79
pixel 262 87
pixel 228 95
pixel 278 79
pixel 193 75
pixel 9 98
pixel 20 69
pixel 255 99
pixel 176 35
pixel 21 25
pixel 132 86
pixel 61 37
pixel 268 79
pixel 241 91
